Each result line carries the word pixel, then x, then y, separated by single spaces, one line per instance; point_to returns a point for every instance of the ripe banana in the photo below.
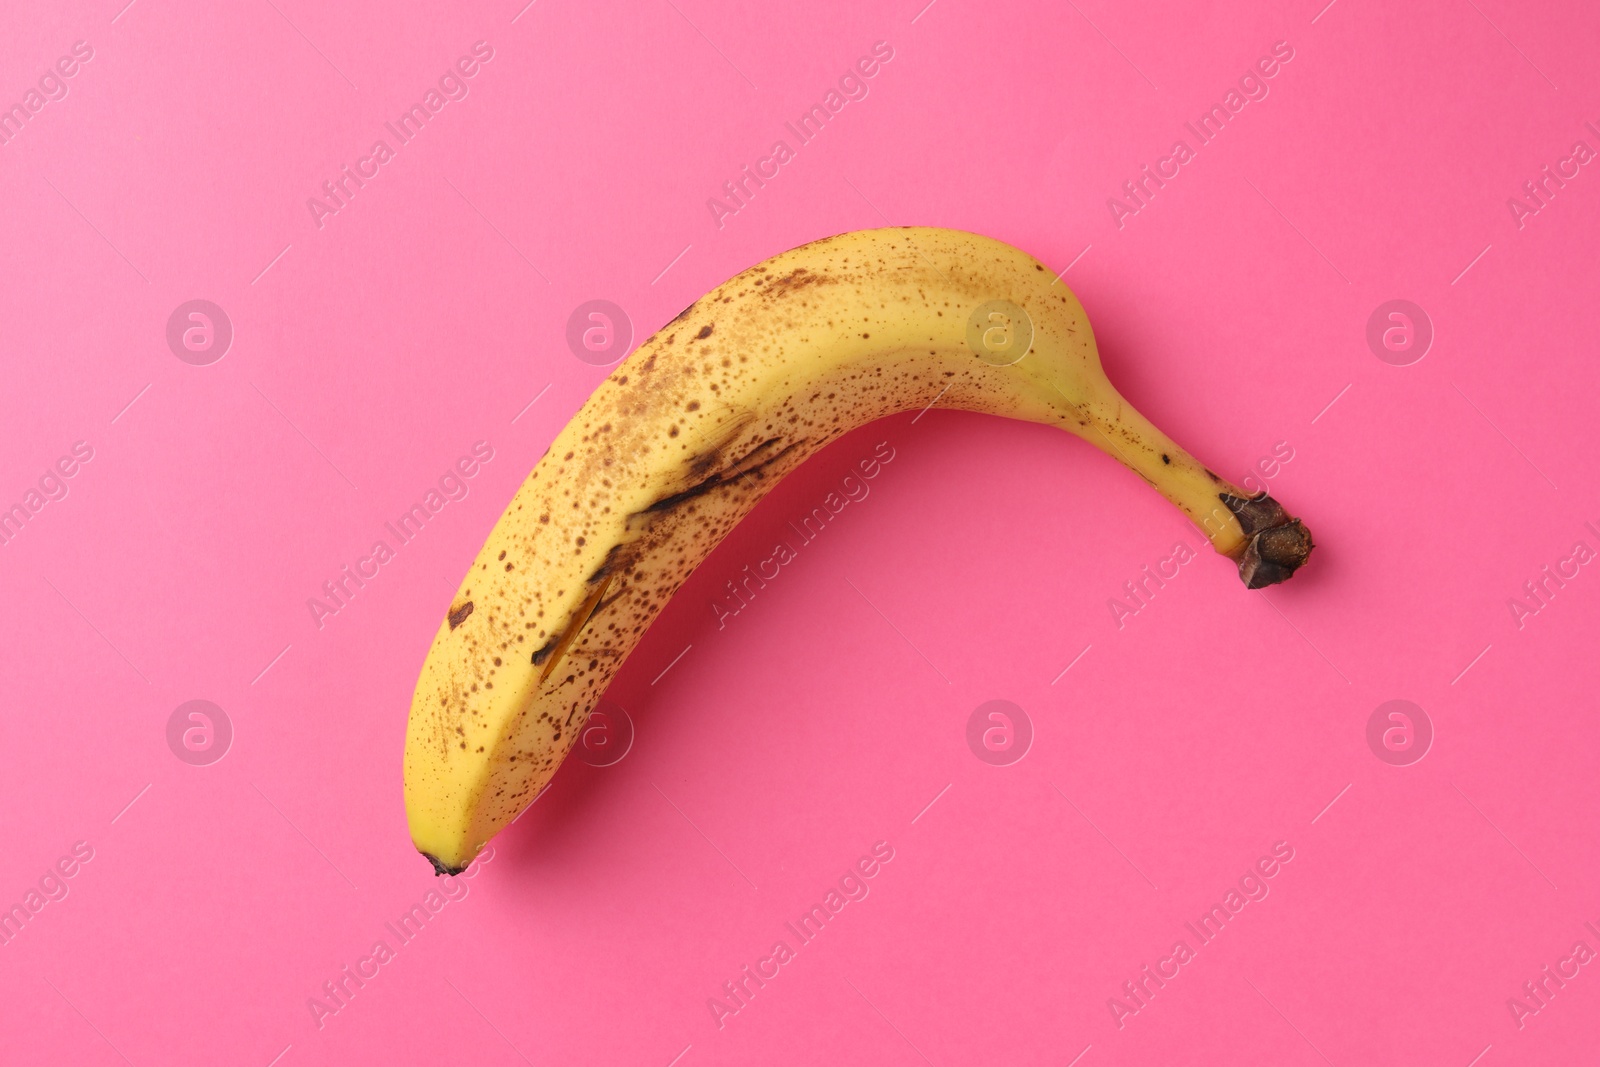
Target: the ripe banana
pixel 689 432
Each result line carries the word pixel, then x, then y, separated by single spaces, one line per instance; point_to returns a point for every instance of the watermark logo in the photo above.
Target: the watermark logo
pixel 453 86
pixel 1542 189
pixel 51 87
pixel 453 485
pixel 1142 587
pixel 852 886
pixel 999 733
pixel 607 736
pixel 1268 467
pixel 51 887
pixel 1538 591
pixel 52 485
pixel 1252 887
pixel 199 332
pixel 199 733
pixel 1138 192
pixel 1399 332
pixel 852 85
pixel 1399 733
pixel 1000 333
pixel 1543 987
pixel 599 332
pixel 338 993
pixel 743 588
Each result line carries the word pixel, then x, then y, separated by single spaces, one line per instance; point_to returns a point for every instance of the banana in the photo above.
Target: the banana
pixel 692 429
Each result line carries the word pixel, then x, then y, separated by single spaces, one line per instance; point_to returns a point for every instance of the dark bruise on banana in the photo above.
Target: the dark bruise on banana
pixel 669 455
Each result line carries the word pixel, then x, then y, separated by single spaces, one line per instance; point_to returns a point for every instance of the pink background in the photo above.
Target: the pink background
pixel 426 315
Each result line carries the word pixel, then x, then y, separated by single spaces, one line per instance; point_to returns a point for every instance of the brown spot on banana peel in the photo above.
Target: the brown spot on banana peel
pixel 458 615
pixel 615 560
pixel 711 458
pixel 1276 545
pixel 622 555
pixel 714 481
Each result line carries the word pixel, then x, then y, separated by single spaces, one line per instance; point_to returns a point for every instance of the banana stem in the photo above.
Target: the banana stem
pixel 1254 531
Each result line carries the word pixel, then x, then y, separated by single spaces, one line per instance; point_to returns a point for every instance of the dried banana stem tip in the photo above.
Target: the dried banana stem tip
pixel 442 868
pixel 1278 544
